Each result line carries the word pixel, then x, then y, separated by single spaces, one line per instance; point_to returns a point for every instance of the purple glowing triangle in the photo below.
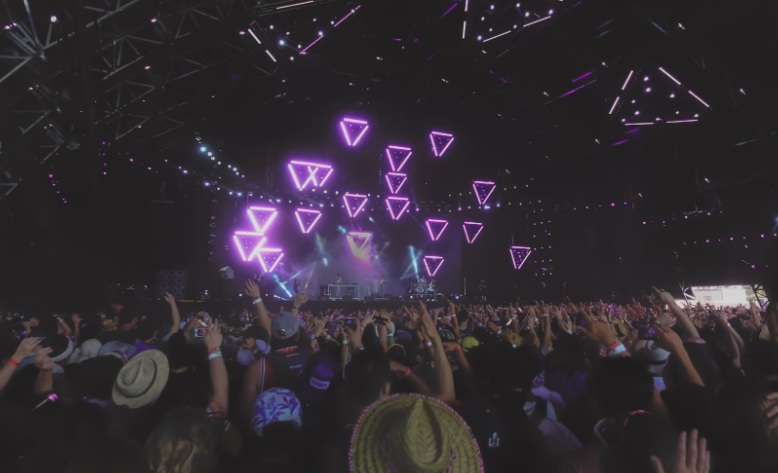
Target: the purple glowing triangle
pixel 519 255
pixel 433 264
pixel 440 142
pixel 397 206
pixel 354 203
pixel 307 218
pixel 261 218
pixel 398 156
pixel 395 180
pixel 353 130
pixel 247 244
pixel 435 228
pixel 483 190
pixel 472 230
pixel 269 258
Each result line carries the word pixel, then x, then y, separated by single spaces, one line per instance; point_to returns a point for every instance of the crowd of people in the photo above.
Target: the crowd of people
pixel 649 386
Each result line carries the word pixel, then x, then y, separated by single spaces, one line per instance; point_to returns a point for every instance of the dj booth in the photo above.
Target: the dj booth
pixel 339 291
pixel 355 292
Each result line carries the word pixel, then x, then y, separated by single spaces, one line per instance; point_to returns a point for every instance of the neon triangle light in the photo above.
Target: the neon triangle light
pixel 483 190
pixel 395 180
pixel 354 203
pixel 397 206
pixel 436 227
pixel 248 243
pixel 398 156
pixel 261 218
pixel 440 142
pixel 359 243
pixel 353 130
pixel 307 218
pixel 519 255
pixel 474 227
pixel 304 173
pixel 269 258
pixel 433 264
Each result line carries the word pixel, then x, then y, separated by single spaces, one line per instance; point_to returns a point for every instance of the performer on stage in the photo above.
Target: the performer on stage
pixel 383 286
pixel 482 289
pixel 421 287
pixel 338 280
pixel 433 287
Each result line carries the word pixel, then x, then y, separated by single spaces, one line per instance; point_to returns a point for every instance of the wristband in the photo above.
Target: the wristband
pixel 59 319
pixel 257 300
pixel 214 350
pixel 514 345
pixel 499 331
pixel 569 331
pixel 458 348
pixel 390 334
pixel 407 373
pixel 545 315
pixel 359 347
pixel 311 336
pixel 295 308
pixel 428 342
pixel 214 355
pixel 13 362
pixel 616 349
pixel 345 342
pixel 328 336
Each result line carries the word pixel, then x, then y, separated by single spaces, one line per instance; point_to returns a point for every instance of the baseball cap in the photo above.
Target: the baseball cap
pixel 276 405
pixel 284 325
pixel 318 380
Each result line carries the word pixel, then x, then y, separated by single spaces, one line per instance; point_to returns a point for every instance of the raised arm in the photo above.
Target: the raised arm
pixel 299 300
pixel 442 367
pixel 213 341
pixel 173 312
pixel 683 320
pixel 25 350
pixel 670 341
pixel 252 290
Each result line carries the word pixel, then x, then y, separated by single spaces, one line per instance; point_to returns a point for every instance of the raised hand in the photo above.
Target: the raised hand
pixel 663 296
pixel 598 331
pixel 214 338
pixel 170 299
pixel 318 327
pixel 695 460
pixel 252 290
pixel 42 359
pixel 667 339
pixel 300 299
pixel 26 349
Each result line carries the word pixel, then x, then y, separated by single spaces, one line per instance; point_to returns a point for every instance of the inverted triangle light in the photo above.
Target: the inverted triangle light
pixel 483 190
pixel 519 255
pixel 440 142
pixel 269 258
pixel 397 206
pixel 305 173
pixel 395 180
pixel 307 218
pixel 433 264
pixel 354 203
pixel 248 243
pixel 472 230
pixel 261 218
pixel 353 130
pixel 359 243
pixel 398 156
pixel 435 227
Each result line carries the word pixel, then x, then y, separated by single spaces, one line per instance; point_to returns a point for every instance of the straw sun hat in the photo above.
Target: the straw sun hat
pixel 412 433
pixel 141 379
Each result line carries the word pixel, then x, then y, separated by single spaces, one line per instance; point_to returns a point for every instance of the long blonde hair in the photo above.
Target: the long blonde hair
pixel 185 442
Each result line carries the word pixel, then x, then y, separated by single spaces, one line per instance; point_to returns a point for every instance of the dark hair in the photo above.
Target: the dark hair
pixel 47 326
pixel 96 376
pixel 622 385
pixel 107 455
pixel 646 435
pixel 258 332
pixel 366 375
pixel 57 343
pixel 462 316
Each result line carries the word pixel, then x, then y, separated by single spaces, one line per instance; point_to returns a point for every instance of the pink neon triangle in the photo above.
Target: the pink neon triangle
pixel 519 255
pixel 435 228
pixel 433 264
pixel 304 174
pixel 483 190
pixel 247 243
pixel 395 181
pixel 261 218
pixel 353 130
pixel 397 206
pixel 307 219
pixel 440 142
pixel 269 258
pixel 475 230
pixel 354 203
pixel 398 156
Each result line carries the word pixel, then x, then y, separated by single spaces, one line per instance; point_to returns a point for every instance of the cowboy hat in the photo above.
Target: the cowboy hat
pixel 141 379
pixel 413 433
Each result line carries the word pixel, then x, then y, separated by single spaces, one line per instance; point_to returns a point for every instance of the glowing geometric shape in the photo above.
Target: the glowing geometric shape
pixel 436 227
pixel 359 243
pixel 248 243
pixel 395 180
pixel 397 206
pixel 483 189
pixel 261 218
pixel 519 255
pixel 352 127
pixel 307 218
pixel 304 173
pixel 398 156
pixel 440 142
pixel 433 264
pixel 269 258
pixel 358 202
pixel 474 226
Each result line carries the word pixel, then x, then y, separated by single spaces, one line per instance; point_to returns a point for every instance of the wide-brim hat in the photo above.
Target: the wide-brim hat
pixel 413 433
pixel 141 379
